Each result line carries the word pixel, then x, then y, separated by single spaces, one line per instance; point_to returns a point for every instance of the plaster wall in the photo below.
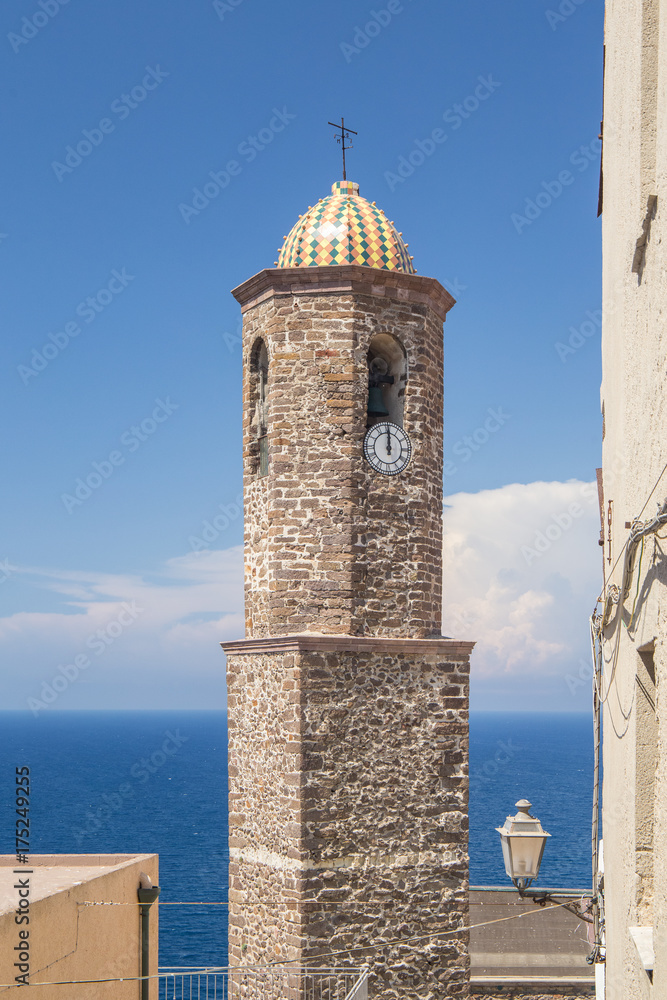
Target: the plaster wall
pixel 70 941
pixel 634 359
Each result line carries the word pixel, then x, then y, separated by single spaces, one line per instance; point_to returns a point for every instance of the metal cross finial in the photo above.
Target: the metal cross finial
pixel 345 133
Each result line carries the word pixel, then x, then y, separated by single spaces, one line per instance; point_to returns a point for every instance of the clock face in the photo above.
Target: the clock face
pixel 387 448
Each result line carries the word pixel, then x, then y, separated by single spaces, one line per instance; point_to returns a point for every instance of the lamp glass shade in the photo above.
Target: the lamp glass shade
pixel 522 839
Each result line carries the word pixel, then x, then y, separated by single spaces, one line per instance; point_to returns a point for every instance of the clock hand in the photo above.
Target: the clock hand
pixel 388 440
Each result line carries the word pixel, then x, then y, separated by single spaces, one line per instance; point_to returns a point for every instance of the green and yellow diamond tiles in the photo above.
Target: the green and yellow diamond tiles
pixel 345 229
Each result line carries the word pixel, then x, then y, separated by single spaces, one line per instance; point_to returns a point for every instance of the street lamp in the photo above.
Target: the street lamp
pixel 523 840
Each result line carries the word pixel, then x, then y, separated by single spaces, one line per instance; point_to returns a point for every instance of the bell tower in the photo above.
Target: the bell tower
pixel 348 710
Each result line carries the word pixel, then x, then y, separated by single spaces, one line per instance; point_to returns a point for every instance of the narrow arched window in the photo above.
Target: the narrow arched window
pixel 259 371
pixel 387 379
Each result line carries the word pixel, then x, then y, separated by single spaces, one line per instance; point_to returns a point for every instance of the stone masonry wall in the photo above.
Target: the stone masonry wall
pixel 348 807
pixel 332 546
pixel 532 993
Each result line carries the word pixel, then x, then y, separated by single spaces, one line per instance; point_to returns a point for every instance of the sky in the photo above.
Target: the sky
pixel 155 155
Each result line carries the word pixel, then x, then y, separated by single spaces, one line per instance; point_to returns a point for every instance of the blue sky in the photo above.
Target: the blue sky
pixel 140 381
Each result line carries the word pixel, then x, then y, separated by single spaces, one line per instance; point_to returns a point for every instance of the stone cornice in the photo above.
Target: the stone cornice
pixel 311 642
pixel 341 279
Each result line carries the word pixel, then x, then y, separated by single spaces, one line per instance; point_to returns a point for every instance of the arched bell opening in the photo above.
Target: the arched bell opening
pixel 387 379
pixel 259 407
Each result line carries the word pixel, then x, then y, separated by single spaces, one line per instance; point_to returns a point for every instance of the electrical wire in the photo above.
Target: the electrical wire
pixel 597 627
pixel 438 934
pixel 646 502
pixel 616 596
pixel 664 469
pixel 256 902
pixel 316 958
pixel 639 580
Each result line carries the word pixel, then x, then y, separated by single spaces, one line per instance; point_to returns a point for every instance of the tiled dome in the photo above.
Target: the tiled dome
pixel 345 229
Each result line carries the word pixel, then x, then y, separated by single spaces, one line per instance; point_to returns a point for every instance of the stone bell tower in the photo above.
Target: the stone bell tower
pixel 348 710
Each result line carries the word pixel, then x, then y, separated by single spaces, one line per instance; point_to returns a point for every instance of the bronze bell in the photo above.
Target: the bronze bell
pixel 377 378
pixel 376 407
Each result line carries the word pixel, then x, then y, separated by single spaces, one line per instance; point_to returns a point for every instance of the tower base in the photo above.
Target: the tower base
pixel 348 800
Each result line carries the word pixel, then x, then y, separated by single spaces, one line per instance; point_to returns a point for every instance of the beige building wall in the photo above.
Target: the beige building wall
pixel 634 399
pixel 70 941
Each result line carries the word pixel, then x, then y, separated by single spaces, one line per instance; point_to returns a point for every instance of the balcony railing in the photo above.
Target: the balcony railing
pixel 273 982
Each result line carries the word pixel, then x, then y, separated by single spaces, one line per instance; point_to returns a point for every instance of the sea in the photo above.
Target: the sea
pixel 156 782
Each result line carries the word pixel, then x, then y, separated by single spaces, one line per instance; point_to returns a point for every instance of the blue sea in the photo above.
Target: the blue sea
pixel 156 782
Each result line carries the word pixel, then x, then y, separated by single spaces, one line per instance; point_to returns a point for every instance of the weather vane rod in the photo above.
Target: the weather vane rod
pixel 345 133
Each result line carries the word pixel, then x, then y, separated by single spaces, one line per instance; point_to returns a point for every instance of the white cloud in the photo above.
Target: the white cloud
pixel 521 573
pixel 522 570
pixel 152 641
